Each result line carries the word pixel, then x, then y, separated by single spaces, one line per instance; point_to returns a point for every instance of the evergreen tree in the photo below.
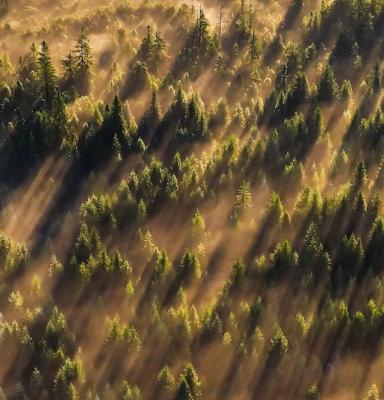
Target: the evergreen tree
pixel 195 125
pixel 278 347
pixel 70 70
pixel 255 50
pixel 328 87
pixel 151 119
pixel 46 74
pixel 189 384
pixel 283 259
pixel 373 394
pixel 60 117
pixel 152 49
pixel 190 267
pixel 374 79
pixel 115 126
pixel 29 65
pixel 243 202
pixel 200 48
pixel 359 180
pixel 83 63
pixel 349 260
pixel 165 381
pixel 375 248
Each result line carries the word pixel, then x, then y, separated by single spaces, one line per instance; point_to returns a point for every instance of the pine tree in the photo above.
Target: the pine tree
pixel 84 64
pixel 46 74
pixel 315 125
pixel 151 119
pixel 242 15
pixel 359 180
pixel 116 127
pixel 202 28
pixel 29 65
pixel 313 393
pixel 243 202
pixel 165 381
pixel 374 78
pixel 83 58
pixel 147 44
pixel 283 259
pixel 278 347
pixel 255 50
pixel 69 65
pixel 60 117
pixel 190 267
pixel 373 394
pixel 375 248
pixel 195 125
pixel 328 88
pixel 189 385
pixel 200 48
pixel 152 49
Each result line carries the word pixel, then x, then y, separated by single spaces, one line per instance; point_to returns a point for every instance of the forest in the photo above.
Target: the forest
pixel 191 199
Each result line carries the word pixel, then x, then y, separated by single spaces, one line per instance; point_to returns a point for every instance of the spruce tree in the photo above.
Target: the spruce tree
pixel 69 65
pixel 83 63
pixel 116 128
pixel 255 50
pixel 374 79
pixel 60 117
pixel 373 394
pixel 151 119
pixel 46 74
pixel 328 88
pixel 189 385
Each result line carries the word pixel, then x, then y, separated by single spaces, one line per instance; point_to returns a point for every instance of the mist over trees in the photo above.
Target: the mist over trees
pixel 191 200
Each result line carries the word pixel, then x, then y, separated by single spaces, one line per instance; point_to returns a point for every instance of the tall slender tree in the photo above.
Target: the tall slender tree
pixel 46 74
pixel 83 63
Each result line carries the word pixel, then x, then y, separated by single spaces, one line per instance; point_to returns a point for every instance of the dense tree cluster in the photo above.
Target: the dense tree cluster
pixel 218 227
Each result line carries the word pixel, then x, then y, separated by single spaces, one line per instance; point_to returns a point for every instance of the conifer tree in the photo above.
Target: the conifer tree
pixel 278 347
pixel 328 88
pixel 373 394
pixel 60 117
pixel 374 79
pixel 83 63
pixel 29 65
pixel 165 380
pixel 69 65
pixel 243 202
pixel 151 119
pixel 189 385
pixel 46 74
pixel 255 50
pixel 190 267
pixel 116 127
pixel 152 49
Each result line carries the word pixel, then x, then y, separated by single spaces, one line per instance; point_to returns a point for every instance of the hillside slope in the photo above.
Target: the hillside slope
pixel 191 199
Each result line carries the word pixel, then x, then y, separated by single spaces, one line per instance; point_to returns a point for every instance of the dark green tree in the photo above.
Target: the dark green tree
pixel 277 348
pixel 189 384
pixel 151 120
pixel 328 87
pixel 255 49
pixel 84 64
pixel 375 79
pixel 190 267
pixel 283 259
pixel 46 74
pixel 116 126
